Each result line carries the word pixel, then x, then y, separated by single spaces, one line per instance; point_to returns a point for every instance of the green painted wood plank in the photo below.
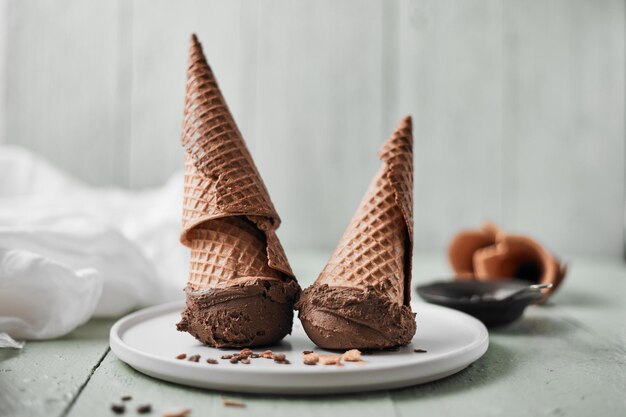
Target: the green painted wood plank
pixel 541 365
pixel 593 297
pixel 44 377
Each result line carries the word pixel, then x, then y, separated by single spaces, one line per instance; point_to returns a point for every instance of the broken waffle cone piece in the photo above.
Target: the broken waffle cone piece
pixel 465 244
pixel 241 289
pixel 492 254
pixel 361 299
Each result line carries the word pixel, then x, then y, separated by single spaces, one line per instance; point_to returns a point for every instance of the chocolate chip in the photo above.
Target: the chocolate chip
pixel 194 358
pixel 144 409
pixel 126 398
pixel 118 408
pixel 181 356
pixel 212 361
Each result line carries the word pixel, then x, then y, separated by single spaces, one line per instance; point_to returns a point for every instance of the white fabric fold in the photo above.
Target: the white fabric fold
pixel 102 251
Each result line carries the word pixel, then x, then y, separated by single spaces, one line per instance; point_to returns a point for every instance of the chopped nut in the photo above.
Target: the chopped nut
pixel 180 413
pixel 246 351
pixel 420 350
pixel 268 354
pixel 245 361
pixel 279 357
pixel 226 356
pixel 194 358
pixel 311 358
pixel 353 355
pixel 118 408
pixel 144 409
pixel 181 356
pixel 330 359
pixel 231 403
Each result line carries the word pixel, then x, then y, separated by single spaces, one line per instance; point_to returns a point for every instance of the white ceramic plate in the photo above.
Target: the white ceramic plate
pixel 148 341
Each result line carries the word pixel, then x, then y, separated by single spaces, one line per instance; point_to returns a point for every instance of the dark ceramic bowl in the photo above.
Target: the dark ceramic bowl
pixel 484 300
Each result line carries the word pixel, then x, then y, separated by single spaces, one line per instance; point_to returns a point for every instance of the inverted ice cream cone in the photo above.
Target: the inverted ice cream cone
pixel 241 289
pixel 361 299
pixel 491 254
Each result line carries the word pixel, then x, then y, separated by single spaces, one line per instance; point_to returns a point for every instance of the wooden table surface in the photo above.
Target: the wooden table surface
pixel 567 358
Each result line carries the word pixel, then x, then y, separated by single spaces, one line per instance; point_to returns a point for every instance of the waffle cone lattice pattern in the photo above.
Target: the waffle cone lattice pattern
pixel 221 179
pixel 375 250
pixel 226 252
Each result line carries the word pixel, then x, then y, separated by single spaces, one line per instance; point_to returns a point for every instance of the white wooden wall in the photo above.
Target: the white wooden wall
pixel 518 105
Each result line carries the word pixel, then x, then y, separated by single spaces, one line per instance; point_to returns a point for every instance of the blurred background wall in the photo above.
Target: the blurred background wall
pixel 518 105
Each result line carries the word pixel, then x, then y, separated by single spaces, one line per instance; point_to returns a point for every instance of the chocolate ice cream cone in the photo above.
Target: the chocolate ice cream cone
pixel 362 297
pixel 241 288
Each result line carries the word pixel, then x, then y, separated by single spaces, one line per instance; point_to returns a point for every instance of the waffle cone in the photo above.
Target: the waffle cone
pixel 229 221
pixel 375 250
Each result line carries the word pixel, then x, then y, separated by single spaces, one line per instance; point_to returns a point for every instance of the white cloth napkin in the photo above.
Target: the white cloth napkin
pixel 69 251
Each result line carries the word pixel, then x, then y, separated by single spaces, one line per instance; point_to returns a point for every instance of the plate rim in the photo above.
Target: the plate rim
pixel 132 355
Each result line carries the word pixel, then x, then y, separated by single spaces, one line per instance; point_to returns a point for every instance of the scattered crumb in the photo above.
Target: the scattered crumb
pixel 226 356
pixel 245 361
pixel 231 403
pixel 118 408
pixel 353 355
pixel 126 398
pixel 179 413
pixel 278 357
pixel 268 354
pixel 306 352
pixel 311 358
pixel 255 355
pixel 420 350
pixel 181 356
pixel 194 358
pixel 144 409
pixel 246 351
pixel 212 361
pixel 330 359
pixel 234 360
